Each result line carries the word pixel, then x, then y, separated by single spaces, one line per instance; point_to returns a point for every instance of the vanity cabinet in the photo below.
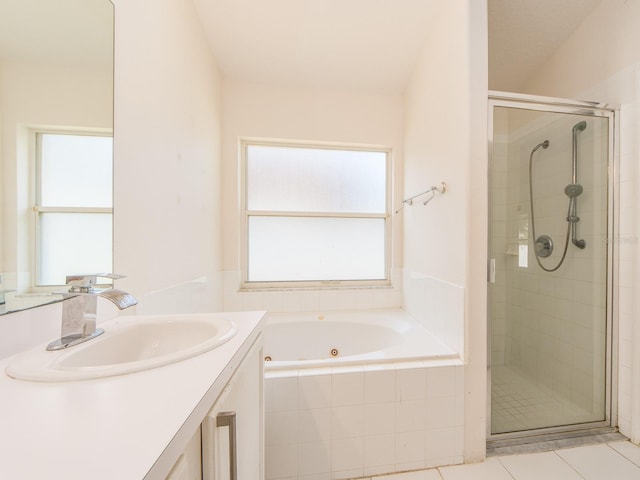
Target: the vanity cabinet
pixel 189 464
pixel 152 421
pixel 229 444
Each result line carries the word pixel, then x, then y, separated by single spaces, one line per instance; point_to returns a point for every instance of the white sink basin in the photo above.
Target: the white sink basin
pixel 129 344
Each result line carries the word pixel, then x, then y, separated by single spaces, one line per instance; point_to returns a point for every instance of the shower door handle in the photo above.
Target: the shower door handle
pixel 492 271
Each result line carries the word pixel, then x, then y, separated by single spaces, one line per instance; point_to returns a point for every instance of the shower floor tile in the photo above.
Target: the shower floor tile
pixel 520 403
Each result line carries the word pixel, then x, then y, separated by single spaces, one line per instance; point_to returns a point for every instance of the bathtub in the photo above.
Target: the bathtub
pixel 308 340
pixel 360 393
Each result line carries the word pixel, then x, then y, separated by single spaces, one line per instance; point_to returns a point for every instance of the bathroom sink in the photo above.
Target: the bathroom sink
pixel 129 344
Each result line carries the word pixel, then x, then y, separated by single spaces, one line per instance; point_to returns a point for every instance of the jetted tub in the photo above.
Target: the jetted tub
pixel 360 393
pixel 306 340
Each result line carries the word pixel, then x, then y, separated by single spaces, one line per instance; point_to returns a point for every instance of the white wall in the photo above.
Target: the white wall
pixel 167 198
pixel 252 110
pixel 601 61
pixel 445 140
pixel 606 43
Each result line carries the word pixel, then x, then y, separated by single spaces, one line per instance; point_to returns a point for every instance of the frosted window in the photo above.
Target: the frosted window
pixel 315 214
pixel 76 170
pixel 74 180
pixel 315 180
pixel 302 249
pixel 75 243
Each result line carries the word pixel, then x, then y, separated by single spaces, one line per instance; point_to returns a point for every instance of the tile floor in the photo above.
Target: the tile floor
pixel 520 403
pixel 618 460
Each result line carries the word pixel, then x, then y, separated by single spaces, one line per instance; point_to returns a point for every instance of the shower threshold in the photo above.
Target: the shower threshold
pixel 552 441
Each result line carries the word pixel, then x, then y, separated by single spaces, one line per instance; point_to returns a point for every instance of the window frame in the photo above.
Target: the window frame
pixel 35 135
pixel 245 285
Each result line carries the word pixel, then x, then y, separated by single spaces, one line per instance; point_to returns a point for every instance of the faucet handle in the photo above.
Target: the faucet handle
pixel 83 283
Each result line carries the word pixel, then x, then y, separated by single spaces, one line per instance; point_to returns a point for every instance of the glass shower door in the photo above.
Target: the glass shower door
pixel 549 250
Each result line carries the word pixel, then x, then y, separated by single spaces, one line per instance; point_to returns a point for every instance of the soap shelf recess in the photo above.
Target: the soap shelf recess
pixel 440 188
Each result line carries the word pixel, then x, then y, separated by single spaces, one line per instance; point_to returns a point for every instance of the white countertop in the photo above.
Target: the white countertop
pixel 130 426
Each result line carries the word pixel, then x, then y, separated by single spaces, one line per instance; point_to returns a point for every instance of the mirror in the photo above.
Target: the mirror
pixel 56 76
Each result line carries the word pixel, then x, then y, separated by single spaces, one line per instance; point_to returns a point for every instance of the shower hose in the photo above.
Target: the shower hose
pixel 533 217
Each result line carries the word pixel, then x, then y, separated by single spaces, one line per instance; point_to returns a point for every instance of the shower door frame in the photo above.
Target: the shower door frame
pixel 594 109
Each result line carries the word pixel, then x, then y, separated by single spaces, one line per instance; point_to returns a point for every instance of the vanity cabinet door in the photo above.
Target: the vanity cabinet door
pixel 189 465
pixel 233 431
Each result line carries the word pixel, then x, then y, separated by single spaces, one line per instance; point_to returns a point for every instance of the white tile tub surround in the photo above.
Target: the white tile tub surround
pixel 290 300
pixel 349 422
pixel 437 305
pixel 198 295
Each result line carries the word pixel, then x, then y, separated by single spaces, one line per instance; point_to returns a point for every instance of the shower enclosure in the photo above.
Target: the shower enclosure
pixel 550 226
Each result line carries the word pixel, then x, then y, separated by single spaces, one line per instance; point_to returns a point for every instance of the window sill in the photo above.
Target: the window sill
pixel 384 285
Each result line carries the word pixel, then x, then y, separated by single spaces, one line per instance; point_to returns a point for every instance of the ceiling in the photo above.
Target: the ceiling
pixel 523 34
pixel 372 45
pixel 364 45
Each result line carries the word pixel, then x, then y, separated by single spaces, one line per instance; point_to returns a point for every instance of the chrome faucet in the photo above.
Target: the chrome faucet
pixel 79 308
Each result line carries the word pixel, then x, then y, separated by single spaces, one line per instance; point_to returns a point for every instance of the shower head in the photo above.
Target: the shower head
pixel 580 126
pixel 544 144
pixel 573 190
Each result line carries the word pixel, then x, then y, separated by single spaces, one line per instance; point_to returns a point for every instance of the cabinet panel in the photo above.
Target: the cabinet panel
pixel 243 396
pixel 189 465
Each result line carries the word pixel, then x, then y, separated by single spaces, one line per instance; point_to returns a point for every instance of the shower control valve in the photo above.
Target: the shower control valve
pixel 543 246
